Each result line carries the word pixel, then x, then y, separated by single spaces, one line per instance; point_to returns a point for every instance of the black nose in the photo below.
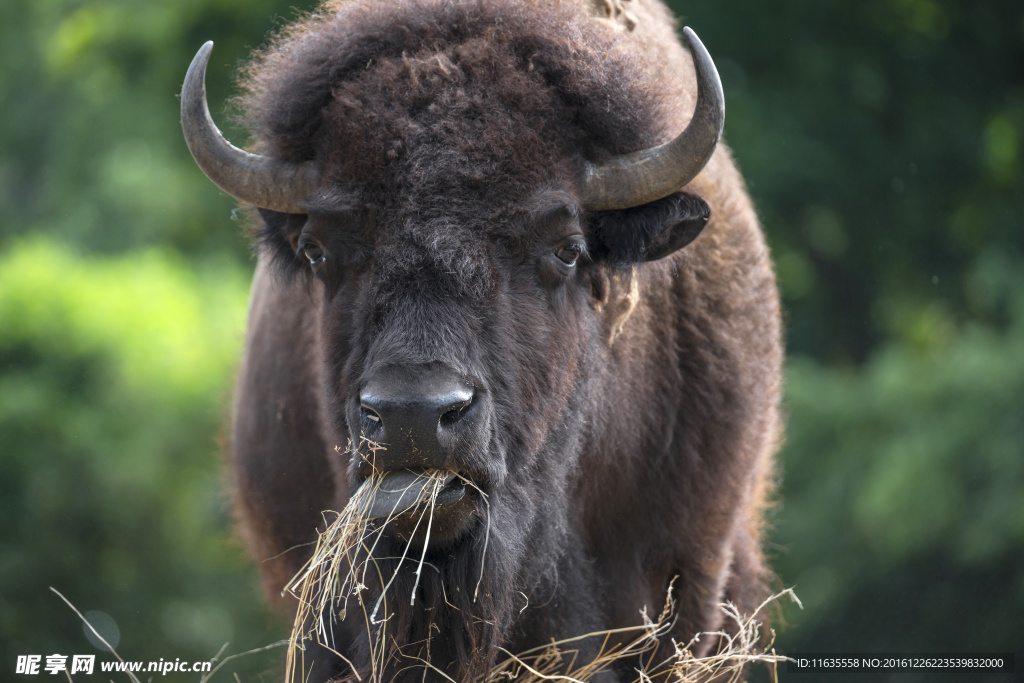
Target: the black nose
pixel 419 413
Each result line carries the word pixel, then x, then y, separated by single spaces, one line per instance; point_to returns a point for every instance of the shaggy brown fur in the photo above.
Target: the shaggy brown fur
pixel 631 401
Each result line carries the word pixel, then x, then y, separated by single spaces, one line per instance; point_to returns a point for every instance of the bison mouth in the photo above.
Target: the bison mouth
pixel 424 506
pixel 397 492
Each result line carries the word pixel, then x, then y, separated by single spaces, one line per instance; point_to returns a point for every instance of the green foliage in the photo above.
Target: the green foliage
pixel 116 374
pixel 881 141
pixel 91 150
pixel 884 144
pixel 903 487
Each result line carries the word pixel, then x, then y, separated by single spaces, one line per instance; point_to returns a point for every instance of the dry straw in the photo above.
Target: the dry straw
pixel 334 580
pixel 556 661
pixel 335 576
pixel 347 545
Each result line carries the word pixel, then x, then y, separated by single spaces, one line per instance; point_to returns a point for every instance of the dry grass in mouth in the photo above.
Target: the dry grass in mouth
pixel 336 573
pixel 335 577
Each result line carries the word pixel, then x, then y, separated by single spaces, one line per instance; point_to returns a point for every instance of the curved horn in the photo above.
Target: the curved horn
pixel 640 177
pixel 266 182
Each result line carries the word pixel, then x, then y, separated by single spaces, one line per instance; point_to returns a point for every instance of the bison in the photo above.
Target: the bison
pixel 500 239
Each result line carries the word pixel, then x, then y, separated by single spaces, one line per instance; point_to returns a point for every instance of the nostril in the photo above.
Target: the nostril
pixel 370 415
pixel 455 411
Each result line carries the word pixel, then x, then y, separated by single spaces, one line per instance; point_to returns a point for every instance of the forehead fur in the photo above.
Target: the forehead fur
pixel 434 97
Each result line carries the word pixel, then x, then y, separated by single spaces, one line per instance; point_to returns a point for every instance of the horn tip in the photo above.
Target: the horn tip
pixel 204 52
pixel 201 59
pixel 695 43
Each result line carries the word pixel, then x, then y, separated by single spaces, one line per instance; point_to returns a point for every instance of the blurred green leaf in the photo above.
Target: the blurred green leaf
pixel 115 379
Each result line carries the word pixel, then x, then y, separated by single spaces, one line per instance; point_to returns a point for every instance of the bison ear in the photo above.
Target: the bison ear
pixel 650 231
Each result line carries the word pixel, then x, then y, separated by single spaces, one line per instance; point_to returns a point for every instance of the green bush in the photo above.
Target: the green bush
pixel 901 520
pixel 115 383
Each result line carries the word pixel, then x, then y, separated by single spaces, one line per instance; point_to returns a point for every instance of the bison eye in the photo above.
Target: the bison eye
pixel 569 254
pixel 313 252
